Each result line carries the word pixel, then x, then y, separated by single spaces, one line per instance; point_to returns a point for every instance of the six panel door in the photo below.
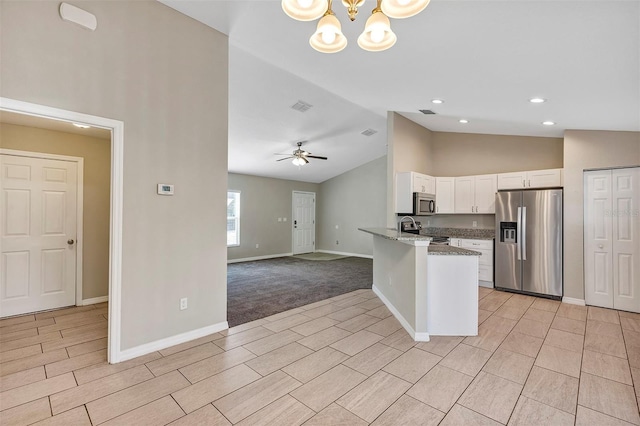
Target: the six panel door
pixel 38 223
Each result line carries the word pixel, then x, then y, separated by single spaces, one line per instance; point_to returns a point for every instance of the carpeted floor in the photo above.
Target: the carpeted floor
pixel 258 289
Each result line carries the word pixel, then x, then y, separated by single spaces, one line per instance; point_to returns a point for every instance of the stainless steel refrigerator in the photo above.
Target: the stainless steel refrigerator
pixel 528 254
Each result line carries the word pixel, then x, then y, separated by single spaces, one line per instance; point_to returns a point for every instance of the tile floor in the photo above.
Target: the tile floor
pixel 342 361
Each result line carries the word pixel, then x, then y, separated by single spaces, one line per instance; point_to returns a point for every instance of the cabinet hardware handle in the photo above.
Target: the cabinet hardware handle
pixel 529 182
pixel 524 185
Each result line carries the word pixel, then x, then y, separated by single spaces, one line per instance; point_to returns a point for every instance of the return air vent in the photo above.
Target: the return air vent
pixel 301 106
pixel 369 132
pixel 427 111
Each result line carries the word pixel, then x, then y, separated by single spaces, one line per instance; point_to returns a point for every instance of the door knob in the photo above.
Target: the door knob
pixel 70 242
pixel 600 246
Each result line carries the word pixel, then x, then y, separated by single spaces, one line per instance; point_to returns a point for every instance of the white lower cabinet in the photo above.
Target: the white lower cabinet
pixel 485 263
pixel 612 238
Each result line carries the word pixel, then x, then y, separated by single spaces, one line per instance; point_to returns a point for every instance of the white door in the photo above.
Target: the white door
pixel 464 194
pixel 304 222
pixel 38 223
pixel 597 239
pixel 612 239
pixel 625 235
pixel 486 187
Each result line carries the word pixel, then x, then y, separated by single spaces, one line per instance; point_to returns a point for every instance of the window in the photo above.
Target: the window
pixel 233 218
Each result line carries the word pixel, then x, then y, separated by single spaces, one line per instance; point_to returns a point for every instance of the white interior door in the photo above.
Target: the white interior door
pixel 304 222
pixel 38 223
pixel 597 239
pixel 626 238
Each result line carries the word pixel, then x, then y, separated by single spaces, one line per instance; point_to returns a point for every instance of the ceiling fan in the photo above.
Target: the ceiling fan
pixel 300 156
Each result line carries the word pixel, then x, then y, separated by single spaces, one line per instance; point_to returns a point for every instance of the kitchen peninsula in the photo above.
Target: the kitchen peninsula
pixel 431 290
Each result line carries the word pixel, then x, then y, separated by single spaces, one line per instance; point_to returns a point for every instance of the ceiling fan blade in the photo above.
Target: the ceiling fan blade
pixel 305 160
pixel 285 158
pixel 317 157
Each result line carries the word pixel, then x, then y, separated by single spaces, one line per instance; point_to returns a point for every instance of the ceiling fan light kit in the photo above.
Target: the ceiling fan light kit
pixel 300 156
pixel 377 35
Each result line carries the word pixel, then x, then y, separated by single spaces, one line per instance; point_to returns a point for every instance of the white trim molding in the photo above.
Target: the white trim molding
pixel 116 127
pixel 572 301
pixel 250 259
pixel 418 337
pixel 172 341
pixel 94 300
pixel 344 253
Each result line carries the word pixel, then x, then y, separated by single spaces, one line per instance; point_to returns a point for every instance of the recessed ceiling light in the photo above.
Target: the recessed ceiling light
pixel 537 100
pixel 437 101
pixel 548 123
pixel 463 121
pixel 82 126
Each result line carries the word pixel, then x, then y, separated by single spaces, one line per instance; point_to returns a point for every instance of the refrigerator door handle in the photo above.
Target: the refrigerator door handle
pixel 523 233
pixel 519 233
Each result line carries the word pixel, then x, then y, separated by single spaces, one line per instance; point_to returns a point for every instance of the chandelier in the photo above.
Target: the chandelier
pixel 377 34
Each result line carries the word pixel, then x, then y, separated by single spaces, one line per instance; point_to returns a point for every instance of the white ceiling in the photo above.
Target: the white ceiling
pixel 484 58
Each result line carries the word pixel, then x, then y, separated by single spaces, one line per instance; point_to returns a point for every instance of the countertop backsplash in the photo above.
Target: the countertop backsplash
pixel 469 233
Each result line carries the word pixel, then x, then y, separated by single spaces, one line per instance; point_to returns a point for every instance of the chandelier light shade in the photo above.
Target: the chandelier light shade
pixel 328 38
pixel 399 9
pixel 377 34
pixel 304 10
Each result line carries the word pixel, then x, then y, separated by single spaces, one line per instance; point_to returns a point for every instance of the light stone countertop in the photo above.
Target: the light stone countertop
pixel 439 250
pixel 466 233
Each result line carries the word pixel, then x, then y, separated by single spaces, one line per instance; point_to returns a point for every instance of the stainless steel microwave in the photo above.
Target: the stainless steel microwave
pixel 423 204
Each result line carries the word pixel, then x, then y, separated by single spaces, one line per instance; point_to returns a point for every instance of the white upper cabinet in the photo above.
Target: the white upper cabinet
pixel 445 194
pixel 551 178
pixel 409 182
pixel 423 183
pixel 475 194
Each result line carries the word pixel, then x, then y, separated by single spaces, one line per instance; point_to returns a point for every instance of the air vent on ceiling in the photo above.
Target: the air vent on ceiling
pixel 301 106
pixel 427 111
pixel 369 132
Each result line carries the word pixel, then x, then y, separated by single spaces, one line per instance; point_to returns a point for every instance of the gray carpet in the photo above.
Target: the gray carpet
pixel 266 287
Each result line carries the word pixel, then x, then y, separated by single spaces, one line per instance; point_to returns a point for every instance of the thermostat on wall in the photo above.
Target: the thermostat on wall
pixel 165 189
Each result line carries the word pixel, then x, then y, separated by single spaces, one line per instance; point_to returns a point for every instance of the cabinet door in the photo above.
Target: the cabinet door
pixel 429 184
pixel 418 182
pixel 455 242
pixel 516 180
pixel 464 194
pixel 404 192
pixel 444 194
pixel 544 178
pixel 485 194
pixel 626 238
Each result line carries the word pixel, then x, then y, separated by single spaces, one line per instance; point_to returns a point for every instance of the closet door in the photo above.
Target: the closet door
pixel 598 239
pixel 626 238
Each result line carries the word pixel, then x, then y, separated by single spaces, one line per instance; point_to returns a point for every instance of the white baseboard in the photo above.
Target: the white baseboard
pixel 572 301
pixel 94 300
pixel 158 345
pixel 486 284
pixel 344 253
pixel 250 259
pixel 418 337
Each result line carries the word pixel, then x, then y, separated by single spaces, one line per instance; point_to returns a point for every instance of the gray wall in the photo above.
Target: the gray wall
pixel 96 189
pixel 165 76
pixel 587 150
pixel 262 202
pixel 352 200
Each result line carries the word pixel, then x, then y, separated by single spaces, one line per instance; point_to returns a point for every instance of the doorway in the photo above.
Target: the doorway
pixel 304 222
pixel 116 128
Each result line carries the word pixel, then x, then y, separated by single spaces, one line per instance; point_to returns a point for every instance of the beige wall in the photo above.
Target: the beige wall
pixel 262 202
pixel 587 150
pixel 97 182
pixel 464 154
pixel 408 150
pixel 165 76
pixel 352 200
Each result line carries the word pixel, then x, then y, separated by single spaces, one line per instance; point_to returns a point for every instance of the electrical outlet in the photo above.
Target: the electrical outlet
pixel 284 219
pixel 337 242
pixel 183 303
pixel 257 245
pixel 279 219
pixel 474 223
pixel 428 222
pixel 337 227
